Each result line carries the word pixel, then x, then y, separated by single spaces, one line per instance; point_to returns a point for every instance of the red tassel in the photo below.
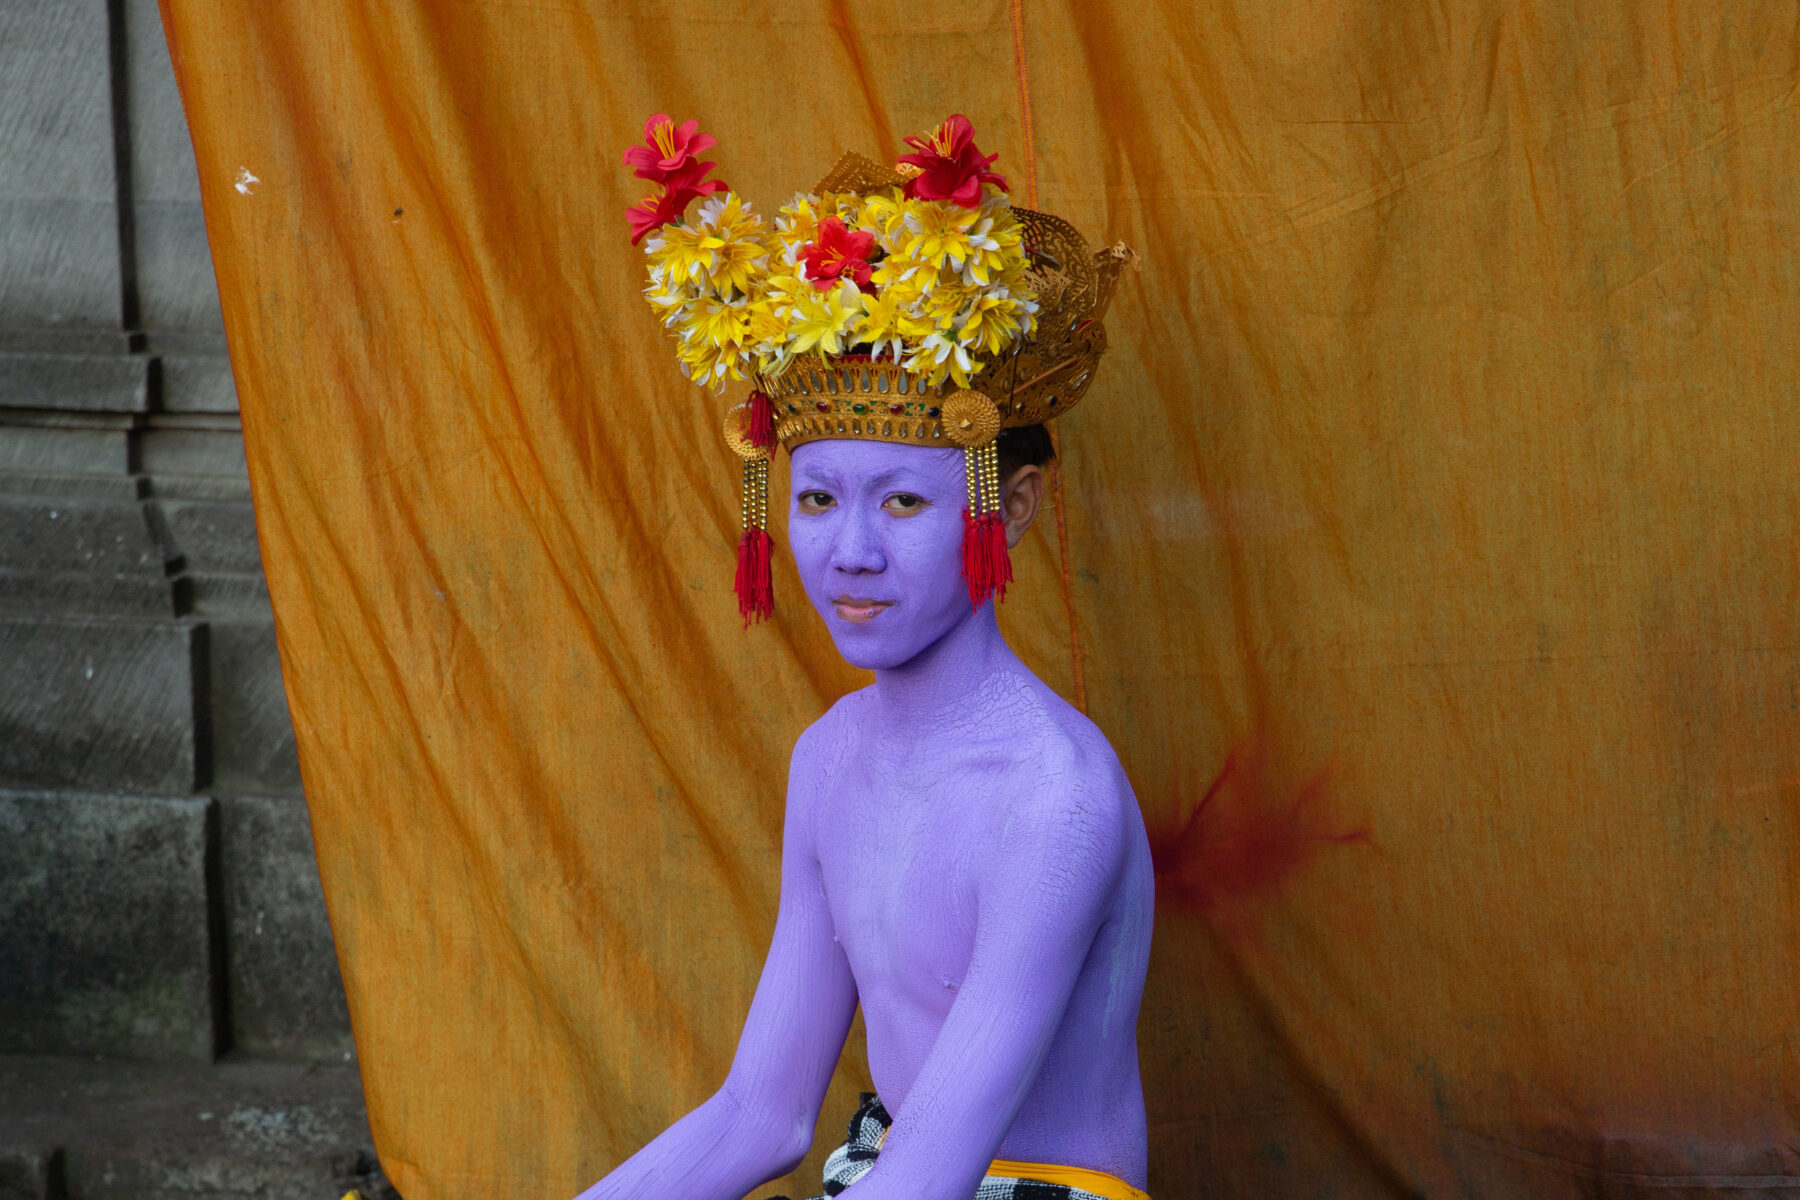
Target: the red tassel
pixel 987 566
pixel 754 586
pixel 759 423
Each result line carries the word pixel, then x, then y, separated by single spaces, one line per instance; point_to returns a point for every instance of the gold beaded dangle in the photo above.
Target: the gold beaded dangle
pixel 971 421
pixel 754 582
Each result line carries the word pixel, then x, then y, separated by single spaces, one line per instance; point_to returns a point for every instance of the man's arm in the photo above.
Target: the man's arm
pixel 1052 875
pixel 759 1124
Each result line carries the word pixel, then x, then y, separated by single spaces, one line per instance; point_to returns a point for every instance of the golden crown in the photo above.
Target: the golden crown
pixel 911 304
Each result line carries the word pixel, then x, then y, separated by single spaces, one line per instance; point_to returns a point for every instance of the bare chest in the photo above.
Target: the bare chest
pixel 900 868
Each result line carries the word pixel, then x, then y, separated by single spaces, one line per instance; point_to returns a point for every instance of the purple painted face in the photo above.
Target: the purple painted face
pixel 876 531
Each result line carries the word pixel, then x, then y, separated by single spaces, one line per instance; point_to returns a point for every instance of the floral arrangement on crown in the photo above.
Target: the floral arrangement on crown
pixel 904 304
pixel 930 273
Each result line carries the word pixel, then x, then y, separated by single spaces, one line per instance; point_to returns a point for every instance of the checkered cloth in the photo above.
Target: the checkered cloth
pixel 852 1160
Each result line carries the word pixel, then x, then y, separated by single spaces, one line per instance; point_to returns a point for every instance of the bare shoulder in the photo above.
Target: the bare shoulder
pixel 820 754
pixel 824 744
pixel 1066 794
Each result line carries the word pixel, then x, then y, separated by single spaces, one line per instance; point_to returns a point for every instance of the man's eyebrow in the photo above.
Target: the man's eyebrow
pixel 882 479
pixel 895 475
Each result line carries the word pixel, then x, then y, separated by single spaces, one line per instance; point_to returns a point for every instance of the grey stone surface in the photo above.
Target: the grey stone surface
pixel 55 449
pixel 168 449
pixel 79 382
pixel 175 277
pixel 77 534
pixel 105 704
pixel 79 592
pixel 213 536
pixel 107 946
pixel 252 735
pixel 68 339
pixel 136 645
pixel 231 596
pixel 200 487
pixel 28 1173
pixel 75 553
pixel 198 383
pixel 75 486
pixel 286 999
pixel 175 274
pixel 59 222
pixel 235 1131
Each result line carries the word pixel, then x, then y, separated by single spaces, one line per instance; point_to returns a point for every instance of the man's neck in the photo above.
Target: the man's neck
pixel 945 684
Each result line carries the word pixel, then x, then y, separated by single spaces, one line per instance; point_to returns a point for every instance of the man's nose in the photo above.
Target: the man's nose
pixel 858 548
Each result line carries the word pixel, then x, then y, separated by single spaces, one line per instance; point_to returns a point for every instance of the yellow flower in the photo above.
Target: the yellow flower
pixel 685 252
pixel 843 205
pixel 767 335
pixel 988 253
pixel 714 323
pixel 991 324
pixel 712 336
pixel 939 355
pixel 799 217
pixel 711 366
pixel 944 303
pixel 901 275
pixel 940 232
pixel 739 252
pixel 887 323
pixel 797 224
pixel 884 215
pixel 821 322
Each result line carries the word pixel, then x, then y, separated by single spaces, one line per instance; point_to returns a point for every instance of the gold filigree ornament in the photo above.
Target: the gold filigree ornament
pixel 970 418
pixel 737 435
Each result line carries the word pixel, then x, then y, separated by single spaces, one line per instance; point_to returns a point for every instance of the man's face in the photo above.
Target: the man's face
pixel 876 531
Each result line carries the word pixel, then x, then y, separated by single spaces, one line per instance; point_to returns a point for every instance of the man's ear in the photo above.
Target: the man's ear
pixel 1020 498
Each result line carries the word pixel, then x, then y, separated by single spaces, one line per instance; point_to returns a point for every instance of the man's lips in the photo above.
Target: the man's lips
pixel 858 611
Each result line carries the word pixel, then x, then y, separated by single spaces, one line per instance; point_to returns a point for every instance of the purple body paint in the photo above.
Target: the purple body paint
pixel 962 854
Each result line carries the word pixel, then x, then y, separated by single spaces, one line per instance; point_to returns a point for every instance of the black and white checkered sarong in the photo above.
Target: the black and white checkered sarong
pixel 852 1160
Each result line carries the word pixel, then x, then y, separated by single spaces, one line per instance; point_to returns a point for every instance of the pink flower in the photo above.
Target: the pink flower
pixel 652 212
pixel 837 254
pixel 668 149
pixel 670 200
pixel 950 166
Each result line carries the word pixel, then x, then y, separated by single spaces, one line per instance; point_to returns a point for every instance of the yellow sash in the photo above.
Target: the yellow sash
pixel 1097 1182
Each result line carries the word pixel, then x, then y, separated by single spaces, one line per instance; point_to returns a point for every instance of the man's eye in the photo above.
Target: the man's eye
pixel 904 504
pixel 815 502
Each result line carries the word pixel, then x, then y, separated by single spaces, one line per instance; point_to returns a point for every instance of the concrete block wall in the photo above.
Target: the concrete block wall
pixel 158 897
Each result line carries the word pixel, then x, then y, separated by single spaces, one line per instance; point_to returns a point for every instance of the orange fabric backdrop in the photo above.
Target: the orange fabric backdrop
pixel 1432 539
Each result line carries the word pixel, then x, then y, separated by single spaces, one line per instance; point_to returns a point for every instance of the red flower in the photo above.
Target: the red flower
pixel 838 254
pixel 950 165
pixel 670 200
pixel 668 149
pixel 652 212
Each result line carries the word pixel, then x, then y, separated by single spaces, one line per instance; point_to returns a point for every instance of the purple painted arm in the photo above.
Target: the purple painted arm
pixel 759 1124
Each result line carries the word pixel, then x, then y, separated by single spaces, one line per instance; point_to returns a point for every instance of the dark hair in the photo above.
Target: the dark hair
pixel 1024 445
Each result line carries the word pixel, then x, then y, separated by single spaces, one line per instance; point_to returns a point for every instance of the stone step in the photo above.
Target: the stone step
pixel 86 1129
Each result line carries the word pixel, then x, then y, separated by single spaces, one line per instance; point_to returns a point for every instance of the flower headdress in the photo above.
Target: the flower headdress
pixel 912 305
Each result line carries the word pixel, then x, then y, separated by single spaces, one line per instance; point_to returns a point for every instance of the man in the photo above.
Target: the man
pixel 962 854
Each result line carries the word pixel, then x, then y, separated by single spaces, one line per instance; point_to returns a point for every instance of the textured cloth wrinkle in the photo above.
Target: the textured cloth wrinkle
pixel 1426 548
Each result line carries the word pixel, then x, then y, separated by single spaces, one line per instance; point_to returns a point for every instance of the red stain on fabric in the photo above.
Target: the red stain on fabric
pixel 1247 836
